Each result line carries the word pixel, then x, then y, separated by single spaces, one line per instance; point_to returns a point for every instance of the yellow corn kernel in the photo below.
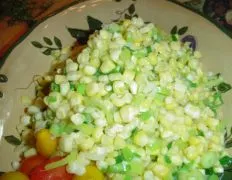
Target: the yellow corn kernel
pixel 160 170
pixel 119 143
pixel 191 152
pixel 194 140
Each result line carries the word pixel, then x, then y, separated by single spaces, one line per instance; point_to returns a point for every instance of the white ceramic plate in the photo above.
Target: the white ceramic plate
pixel 25 61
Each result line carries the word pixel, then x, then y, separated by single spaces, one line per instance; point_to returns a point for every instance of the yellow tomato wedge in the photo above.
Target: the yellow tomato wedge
pixel 14 176
pixel 92 173
pixel 45 143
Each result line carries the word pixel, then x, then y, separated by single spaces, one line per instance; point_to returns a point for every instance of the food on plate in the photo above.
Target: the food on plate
pixel 133 103
pixel 14 175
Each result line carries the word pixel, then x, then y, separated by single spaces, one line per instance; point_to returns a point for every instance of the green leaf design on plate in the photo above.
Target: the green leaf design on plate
pixel 174 30
pixel 3 78
pixel 12 140
pixel 47 52
pixel 225 135
pixel 131 9
pixel 58 42
pixel 136 15
pixel 94 24
pixel 169 146
pixel 78 33
pixel 174 38
pixel 127 16
pixel 183 30
pixel 47 41
pixel 37 44
pixel 228 143
pixel 224 87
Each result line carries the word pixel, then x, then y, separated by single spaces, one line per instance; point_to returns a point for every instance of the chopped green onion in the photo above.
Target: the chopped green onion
pixel 55 130
pixel 117 69
pixel 209 171
pixel 169 146
pixel 81 88
pixel 209 159
pixel 138 99
pixel 213 177
pixel 119 159
pixel 191 84
pixel 145 115
pixel 167 159
pixel 218 99
pixel 129 38
pixel 125 54
pixel 149 50
pixel 58 128
pixel 165 92
pixel 127 154
pixel 88 118
pixel 191 174
pixel 55 87
pixel 120 168
pixel 62 162
pixel 134 131
pixel 136 167
pixel 158 143
pixel 94 102
pixel 187 167
pixel 87 129
pixel 98 73
pixel 140 53
pixel 200 133
pixel 214 102
pixel 49 114
pixel 226 161
pixel 159 98
pixel 175 175
pixel 72 86
pixel 127 177
pixel 68 128
pixel 51 99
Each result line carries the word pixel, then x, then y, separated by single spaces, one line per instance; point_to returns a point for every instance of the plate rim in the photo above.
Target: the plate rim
pixel 211 20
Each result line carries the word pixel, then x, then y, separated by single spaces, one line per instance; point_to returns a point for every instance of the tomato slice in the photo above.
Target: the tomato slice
pixel 60 173
pixel 28 164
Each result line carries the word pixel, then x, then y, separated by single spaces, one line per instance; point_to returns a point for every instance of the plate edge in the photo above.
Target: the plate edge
pixel 223 29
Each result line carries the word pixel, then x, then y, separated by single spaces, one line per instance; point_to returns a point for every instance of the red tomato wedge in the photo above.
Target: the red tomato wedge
pixel 28 164
pixel 60 173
